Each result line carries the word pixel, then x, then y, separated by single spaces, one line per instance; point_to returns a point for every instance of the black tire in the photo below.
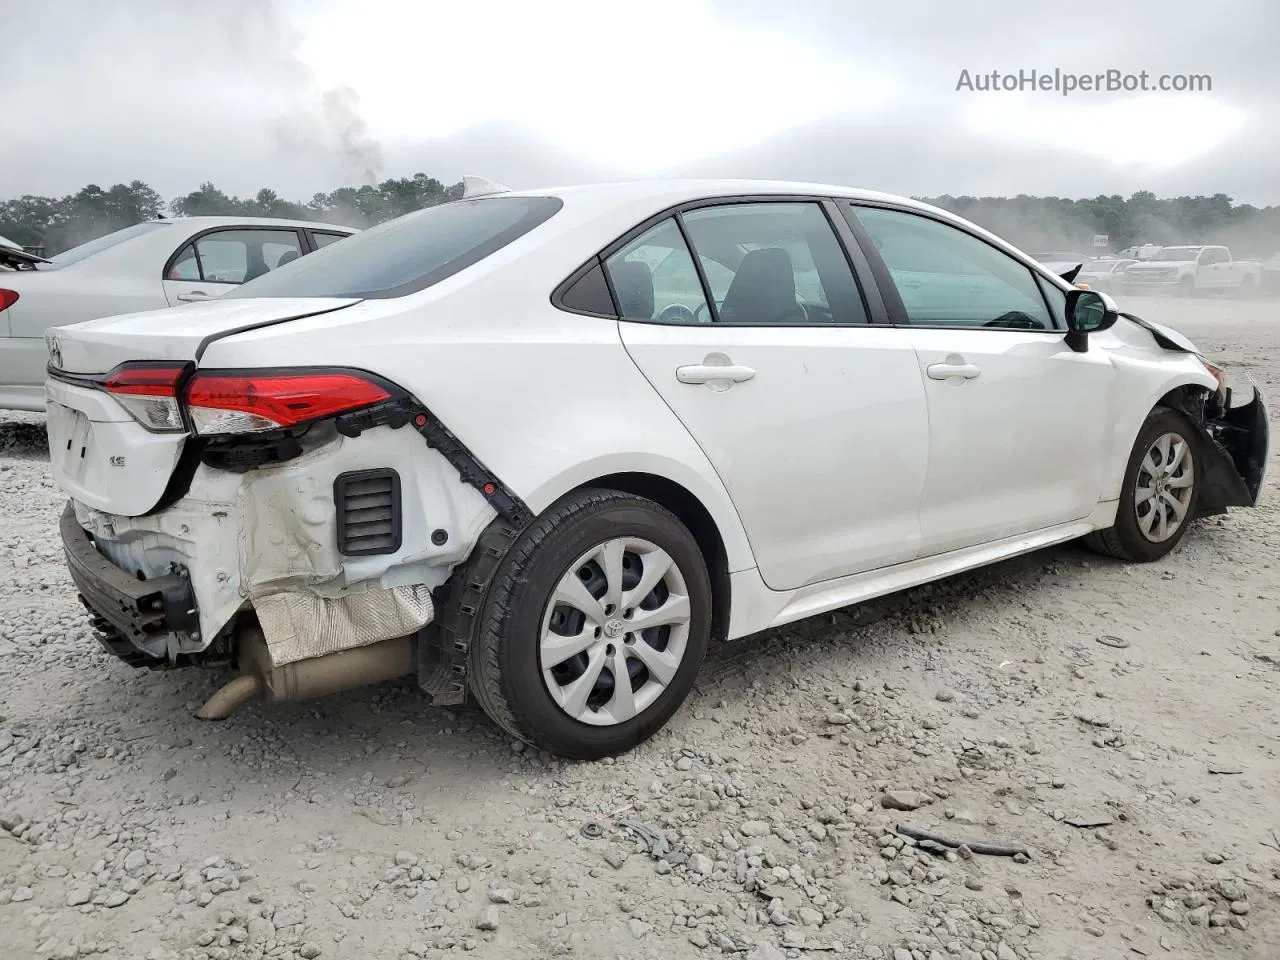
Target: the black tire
pixel 503 669
pixel 1125 540
pixel 1186 287
pixel 1245 290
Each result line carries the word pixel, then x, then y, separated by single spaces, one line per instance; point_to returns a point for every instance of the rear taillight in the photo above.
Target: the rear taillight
pixel 8 298
pixel 149 392
pixel 221 403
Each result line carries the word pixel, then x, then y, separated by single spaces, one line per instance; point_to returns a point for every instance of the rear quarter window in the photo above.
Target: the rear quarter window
pixel 408 254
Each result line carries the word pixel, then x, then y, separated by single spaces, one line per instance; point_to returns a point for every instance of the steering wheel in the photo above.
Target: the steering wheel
pixel 805 316
pixel 1015 320
pixel 677 313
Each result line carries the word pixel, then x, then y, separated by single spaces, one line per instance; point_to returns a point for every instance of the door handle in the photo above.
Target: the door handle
pixel 945 371
pixel 193 296
pixel 709 373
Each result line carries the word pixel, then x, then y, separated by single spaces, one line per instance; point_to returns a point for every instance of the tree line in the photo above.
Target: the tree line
pixel 1032 223
pixel 64 222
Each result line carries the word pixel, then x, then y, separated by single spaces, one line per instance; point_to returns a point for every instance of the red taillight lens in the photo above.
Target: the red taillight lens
pixel 8 298
pixel 149 392
pixel 231 403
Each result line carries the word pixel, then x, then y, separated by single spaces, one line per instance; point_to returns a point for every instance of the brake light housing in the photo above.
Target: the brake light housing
pixel 7 298
pixel 176 397
pixel 150 393
pixel 241 402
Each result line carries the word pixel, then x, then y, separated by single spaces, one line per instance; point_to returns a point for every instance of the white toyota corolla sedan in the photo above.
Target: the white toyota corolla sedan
pixel 540 447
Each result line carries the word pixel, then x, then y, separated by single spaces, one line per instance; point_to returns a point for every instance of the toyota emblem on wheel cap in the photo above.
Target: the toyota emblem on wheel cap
pixel 55 351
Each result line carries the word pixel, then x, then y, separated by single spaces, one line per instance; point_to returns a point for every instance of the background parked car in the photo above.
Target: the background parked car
pixel 148 266
pixel 1106 274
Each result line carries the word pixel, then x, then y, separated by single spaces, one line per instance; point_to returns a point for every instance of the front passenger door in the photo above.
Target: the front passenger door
pixel 1019 423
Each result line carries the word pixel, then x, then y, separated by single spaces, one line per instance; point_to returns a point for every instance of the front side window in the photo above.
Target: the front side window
pixel 947 277
pixel 781 263
pixel 409 253
pixel 653 278
pixel 238 256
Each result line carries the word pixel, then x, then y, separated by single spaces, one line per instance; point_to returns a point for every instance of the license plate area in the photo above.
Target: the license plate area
pixel 102 457
pixel 70 436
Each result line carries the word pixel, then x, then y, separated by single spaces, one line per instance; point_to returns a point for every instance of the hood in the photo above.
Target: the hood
pixel 1066 269
pixel 1158 264
pixel 17 257
pixel 1167 337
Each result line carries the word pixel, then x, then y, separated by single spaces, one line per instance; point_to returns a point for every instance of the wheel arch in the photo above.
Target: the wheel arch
pixel 696 517
pixel 1179 392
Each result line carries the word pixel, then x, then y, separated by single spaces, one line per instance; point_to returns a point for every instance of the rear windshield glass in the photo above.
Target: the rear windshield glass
pixel 408 254
pixel 76 254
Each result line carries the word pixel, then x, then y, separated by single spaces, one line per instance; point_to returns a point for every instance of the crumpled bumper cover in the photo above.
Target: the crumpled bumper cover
pixel 1239 443
pixel 128 613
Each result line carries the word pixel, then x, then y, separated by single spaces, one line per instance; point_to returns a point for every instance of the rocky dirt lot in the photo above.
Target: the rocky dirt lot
pixel 1136 782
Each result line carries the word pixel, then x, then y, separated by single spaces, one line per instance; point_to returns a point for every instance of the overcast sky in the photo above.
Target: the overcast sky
pixel 305 96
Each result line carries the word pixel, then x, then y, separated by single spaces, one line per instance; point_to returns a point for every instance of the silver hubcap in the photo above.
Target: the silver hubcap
pixel 1163 493
pixel 614 631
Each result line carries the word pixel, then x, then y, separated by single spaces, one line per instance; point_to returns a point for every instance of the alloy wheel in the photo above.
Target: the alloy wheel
pixel 615 631
pixel 1165 483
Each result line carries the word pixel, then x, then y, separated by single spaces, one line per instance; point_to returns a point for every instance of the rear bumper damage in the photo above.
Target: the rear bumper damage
pixel 266 548
pixel 1237 444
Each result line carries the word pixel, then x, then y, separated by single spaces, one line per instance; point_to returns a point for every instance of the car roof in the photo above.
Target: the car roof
pixel 602 211
pixel 683 190
pixel 221 221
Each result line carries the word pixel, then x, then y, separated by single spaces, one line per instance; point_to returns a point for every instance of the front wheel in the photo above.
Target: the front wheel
pixel 1160 492
pixel 592 632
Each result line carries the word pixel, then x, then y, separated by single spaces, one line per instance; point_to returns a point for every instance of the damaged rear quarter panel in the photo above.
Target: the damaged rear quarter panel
pixel 290 521
pixel 273 530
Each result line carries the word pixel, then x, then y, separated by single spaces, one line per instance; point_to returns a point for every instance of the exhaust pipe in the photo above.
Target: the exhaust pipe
pixel 315 677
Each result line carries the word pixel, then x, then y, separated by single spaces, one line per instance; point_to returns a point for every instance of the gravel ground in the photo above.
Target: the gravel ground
pixel 1139 780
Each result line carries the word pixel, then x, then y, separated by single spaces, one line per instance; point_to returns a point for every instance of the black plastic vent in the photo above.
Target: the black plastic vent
pixel 368 503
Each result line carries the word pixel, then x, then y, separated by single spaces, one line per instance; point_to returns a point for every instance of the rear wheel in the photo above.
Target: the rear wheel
pixel 592 632
pixel 1245 290
pixel 1187 287
pixel 1160 492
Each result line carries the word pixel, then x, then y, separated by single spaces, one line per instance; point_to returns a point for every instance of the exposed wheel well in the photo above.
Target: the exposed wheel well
pixel 1187 399
pixel 694 516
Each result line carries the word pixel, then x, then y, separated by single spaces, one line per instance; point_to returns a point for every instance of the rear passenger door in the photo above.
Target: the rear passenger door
pixel 748 319
pixel 217 261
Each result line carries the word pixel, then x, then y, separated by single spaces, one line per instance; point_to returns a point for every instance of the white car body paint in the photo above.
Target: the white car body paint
pixel 122 278
pixel 839 472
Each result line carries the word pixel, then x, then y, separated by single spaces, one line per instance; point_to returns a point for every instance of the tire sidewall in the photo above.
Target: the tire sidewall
pixel 1160 422
pixel 521 625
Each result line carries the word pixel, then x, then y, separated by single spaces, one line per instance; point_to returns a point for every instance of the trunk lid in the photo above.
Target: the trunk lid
pixel 99 454
pixel 171 333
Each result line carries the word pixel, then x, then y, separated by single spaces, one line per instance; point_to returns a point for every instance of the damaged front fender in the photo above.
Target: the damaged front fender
pixel 1236 446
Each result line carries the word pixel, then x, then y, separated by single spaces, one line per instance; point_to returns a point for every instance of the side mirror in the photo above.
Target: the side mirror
pixel 1088 311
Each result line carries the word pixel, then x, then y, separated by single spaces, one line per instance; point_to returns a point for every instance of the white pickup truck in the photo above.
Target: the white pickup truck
pixel 1188 271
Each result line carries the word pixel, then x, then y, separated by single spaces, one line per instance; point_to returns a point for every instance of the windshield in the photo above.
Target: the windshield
pixel 1100 266
pixel 1176 253
pixel 408 254
pixel 86 250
